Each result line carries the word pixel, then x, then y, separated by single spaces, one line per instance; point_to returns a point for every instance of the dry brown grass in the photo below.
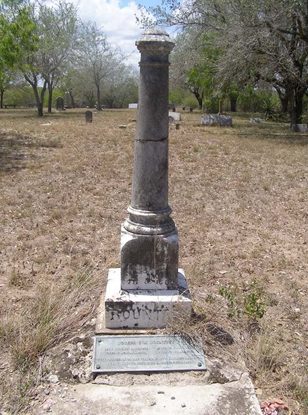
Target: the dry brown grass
pixel 240 203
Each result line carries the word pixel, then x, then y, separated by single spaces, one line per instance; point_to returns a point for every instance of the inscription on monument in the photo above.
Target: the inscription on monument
pixel 145 353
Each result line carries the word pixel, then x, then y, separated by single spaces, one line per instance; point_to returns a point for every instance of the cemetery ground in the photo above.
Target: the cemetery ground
pixel 240 202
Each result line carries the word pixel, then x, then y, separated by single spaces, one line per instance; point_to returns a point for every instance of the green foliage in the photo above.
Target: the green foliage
pixel 254 305
pixel 21 97
pixel 230 294
pixel 190 101
pixel 211 104
pixel 249 301
pixel 17 37
pixel 201 77
pixel 258 100
pixel 177 96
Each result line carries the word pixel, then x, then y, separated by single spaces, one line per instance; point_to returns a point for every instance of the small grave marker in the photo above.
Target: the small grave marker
pixel 89 116
pixel 60 104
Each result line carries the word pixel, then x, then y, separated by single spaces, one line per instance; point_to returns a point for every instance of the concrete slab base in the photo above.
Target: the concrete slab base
pixel 143 309
pixel 232 398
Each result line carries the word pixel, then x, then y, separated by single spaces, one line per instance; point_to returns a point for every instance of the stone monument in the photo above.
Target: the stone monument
pixel 89 116
pixel 149 287
pixel 60 104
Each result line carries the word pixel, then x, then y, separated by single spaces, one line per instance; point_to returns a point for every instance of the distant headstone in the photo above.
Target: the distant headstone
pixel 300 128
pixel 89 116
pixel 133 106
pixel 60 104
pixel 216 120
pixel 174 116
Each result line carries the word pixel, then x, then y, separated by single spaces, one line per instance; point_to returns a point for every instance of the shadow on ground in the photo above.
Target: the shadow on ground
pixel 15 150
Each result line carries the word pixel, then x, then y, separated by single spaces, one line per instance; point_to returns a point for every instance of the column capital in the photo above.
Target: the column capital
pixel 155 41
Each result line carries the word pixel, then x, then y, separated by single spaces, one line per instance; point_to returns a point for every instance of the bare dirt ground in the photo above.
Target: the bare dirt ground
pixel 240 202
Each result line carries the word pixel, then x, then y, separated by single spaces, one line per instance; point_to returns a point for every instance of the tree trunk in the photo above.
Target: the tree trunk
pixel 43 94
pixel 297 107
pixel 199 97
pixel 233 102
pixel 39 105
pixel 39 98
pixel 50 91
pixel 1 98
pixel 98 98
pixel 284 103
pixel 72 98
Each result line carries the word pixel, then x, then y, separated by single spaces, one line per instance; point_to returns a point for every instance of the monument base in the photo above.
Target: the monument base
pixel 143 309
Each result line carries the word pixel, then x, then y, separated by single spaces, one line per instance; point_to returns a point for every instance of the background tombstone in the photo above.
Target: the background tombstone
pixel 60 104
pixel 174 116
pixel 216 120
pixel 300 128
pixel 89 116
pixel 148 287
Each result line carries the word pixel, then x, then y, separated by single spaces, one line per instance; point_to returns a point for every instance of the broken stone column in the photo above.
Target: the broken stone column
pixel 149 286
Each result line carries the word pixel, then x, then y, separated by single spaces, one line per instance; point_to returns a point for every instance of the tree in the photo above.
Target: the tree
pixel 259 41
pixel 17 39
pixel 37 41
pixel 17 33
pixel 196 70
pixel 4 82
pixel 121 87
pixel 95 56
pixel 58 28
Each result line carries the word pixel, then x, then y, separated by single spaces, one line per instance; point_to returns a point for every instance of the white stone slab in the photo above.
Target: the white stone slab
pixel 143 308
pixel 175 115
pixel 133 106
pixel 231 398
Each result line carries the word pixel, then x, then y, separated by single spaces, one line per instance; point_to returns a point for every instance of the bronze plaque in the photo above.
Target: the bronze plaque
pixel 146 353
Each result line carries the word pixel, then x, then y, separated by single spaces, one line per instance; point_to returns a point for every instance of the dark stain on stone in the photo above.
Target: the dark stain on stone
pixel 152 255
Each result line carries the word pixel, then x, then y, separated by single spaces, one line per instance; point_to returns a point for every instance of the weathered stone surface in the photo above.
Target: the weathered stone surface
pixel 176 116
pixel 60 104
pixel 149 243
pixel 300 128
pixel 150 179
pixel 145 291
pixel 143 308
pixel 216 120
pixel 89 116
pixel 193 397
pixel 149 261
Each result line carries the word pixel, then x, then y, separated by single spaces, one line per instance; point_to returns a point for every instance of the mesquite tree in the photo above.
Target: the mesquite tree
pixel 265 40
pixel 96 56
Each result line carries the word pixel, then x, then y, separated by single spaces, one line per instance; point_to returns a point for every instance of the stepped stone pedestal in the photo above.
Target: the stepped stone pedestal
pixel 149 287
